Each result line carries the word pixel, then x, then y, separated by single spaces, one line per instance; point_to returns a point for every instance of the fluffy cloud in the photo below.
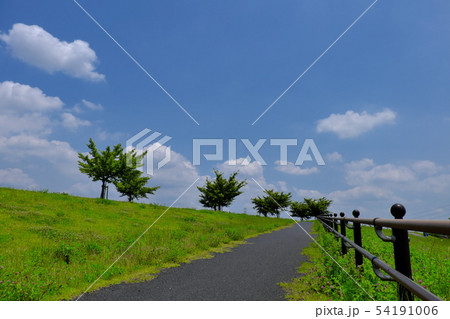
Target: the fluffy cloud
pixel 292 169
pixel 27 117
pixel 27 110
pixel 72 122
pixel 352 124
pixel 79 107
pixel 16 97
pixel 32 123
pixel 35 46
pixel 174 178
pixel 15 177
pixel 362 193
pixel 24 109
pixel 254 168
pixel 334 157
pixel 29 148
pixel 425 167
pixel 365 171
pixel 308 193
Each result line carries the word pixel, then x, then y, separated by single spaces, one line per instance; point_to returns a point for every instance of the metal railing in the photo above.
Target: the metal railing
pixel 402 273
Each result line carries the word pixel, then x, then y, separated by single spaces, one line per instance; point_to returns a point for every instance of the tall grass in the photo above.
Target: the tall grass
pixel 323 279
pixel 53 246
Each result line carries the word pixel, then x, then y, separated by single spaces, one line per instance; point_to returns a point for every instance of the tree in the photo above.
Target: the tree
pixel 133 185
pixel 272 204
pixel 300 209
pixel 115 166
pixel 310 207
pixel 105 166
pixel 220 192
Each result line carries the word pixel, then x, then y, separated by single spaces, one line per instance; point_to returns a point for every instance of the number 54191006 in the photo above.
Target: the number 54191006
pixel 407 310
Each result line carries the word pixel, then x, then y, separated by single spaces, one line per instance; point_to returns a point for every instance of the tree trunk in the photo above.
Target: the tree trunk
pixel 102 195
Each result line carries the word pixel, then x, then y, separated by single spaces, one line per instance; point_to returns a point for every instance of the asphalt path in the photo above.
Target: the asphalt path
pixel 250 271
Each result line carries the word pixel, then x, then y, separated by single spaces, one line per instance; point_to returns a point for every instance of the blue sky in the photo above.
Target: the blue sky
pixel 376 104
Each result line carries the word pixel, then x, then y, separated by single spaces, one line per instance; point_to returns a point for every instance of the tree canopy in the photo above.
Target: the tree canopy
pixel 310 207
pixel 104 166
pixel 272 204
pixel 220 192
pixel 133 185
pixel 114 166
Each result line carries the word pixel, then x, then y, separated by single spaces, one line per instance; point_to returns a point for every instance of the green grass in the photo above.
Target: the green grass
pixel 53 246
pixel 322 279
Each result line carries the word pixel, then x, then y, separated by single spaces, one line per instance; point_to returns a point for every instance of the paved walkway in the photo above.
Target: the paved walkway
pixel 250 271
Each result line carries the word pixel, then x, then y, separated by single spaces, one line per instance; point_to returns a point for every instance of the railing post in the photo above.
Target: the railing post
pixel 401 252
pixel 335 224
pixel 343 233
pixel 326 221
pixel 357 238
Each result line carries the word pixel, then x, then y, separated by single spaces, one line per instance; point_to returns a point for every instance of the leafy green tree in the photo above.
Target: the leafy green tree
pixel 300 209
pixel 310 207
pixel 133 185
pixel 114 166
pixel 105 166
pixel 220 192
pixel 272 204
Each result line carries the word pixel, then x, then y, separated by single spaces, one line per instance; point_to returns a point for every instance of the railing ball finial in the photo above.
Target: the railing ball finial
pixel 355 213
pixel 342 214
pixel 335 215
pixel 398 211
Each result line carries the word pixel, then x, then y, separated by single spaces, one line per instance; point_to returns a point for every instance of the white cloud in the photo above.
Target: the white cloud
pixel 437 184
pixel 35 46
pixel 426 167
pixel 292 169
pixel 362 193
pixel 307 193
pixel 113 137
pixel 92 106
pixel 24 109
pixel 254 168
pixel 282 185
pixel 352 124
pixel 27 110
pixel 29 123
pixel 334 157
pixel 26 147
pixel 79 107
pixel 26 116
pixel 72 122
pixel 16 97
pixel 174 178
pixel 365 171
pixel 15 177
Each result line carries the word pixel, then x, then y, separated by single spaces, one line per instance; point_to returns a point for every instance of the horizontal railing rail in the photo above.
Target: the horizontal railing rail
pixel 428 226
pixel 402 273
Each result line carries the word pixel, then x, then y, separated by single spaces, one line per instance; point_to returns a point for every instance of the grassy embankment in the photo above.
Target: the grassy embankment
pixel 53 246
pixel 322 279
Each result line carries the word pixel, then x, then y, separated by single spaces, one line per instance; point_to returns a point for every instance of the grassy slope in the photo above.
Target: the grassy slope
pixel 321 279
pixel 53 246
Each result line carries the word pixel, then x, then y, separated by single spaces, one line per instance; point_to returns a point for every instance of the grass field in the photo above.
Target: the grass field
pixel 322 279
pixel 53 246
